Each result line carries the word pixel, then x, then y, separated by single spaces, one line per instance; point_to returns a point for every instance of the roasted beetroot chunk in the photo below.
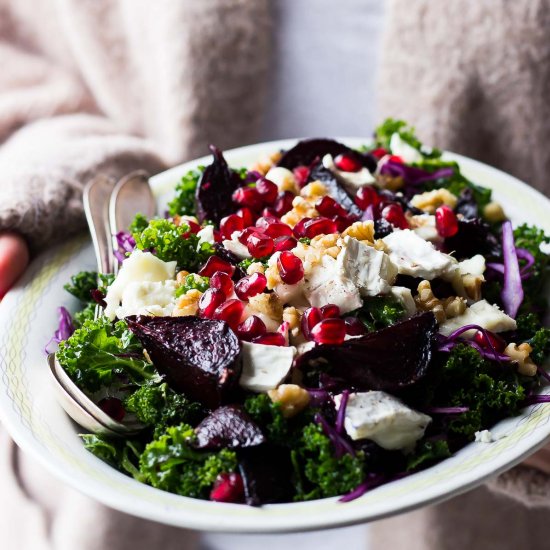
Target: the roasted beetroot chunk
pixel 215 189
pixel 307 150
pixel 335 189
pixel 197 357
pixel 228 427
pixel 387 360
pixel 267 475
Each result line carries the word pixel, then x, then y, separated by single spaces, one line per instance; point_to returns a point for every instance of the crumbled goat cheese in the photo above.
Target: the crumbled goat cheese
pixel 352 181
pixel 236 247
pixel 402 149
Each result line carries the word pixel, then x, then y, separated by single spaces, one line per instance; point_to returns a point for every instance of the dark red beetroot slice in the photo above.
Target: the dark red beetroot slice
pixel 387 360
pixel 307 150
pixel 335 189
pixel 229 427
pixel 267 475
pixel 215 189
pixel 197 357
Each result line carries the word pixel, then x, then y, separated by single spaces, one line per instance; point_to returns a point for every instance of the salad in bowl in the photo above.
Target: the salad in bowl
pixel 315 325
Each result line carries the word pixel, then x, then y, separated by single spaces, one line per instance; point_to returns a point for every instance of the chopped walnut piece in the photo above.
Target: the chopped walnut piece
pixel 266 163
pixel 180 277
pixel 292 316
pixel 520 355
pixel 362 231
pixel 472 286
pixel 450 307
pixel 256 267
pixel 268 304
pixel 314 190
pixel 431 200
pixel 188 304
pixel 291 398
pixel 454 306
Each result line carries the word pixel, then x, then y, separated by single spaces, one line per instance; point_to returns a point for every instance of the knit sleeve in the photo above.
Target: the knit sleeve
pixel 528 486
pixel 44 166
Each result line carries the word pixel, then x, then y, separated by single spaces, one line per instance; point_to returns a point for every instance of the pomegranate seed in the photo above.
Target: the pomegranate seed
pixel 113 407
pixel 228 488
pixel 329 311
pixel 343 222
pixel 217 236
pixel 328 207
pixel 394 214
pixel 209 301
pixel 300 228
pixel 283 204
pixel 354 327
pixel 243 237
pixel 259 245
pixel 396 158
pixel 284 243
pixel 250 286
pixel 194 227
pixel 270 339
pixel 347 163
pixel 319 226
pixel 446 221
pixel 310 318
pixel 230 224
pixel 222 281
pixel 367 196
pixel 290 267
pixel 278 229
pixel 231 312
pixel 215 263
pixel 251 328
pixel 487 338
pixel 265 221
pixel 269 213
pixel 379 153
pixel 267 190
pixel 329 331
pixel 301 174
pixel 249 197
pixel 247 215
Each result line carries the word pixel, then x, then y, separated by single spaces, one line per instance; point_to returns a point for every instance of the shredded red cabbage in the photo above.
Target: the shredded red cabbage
pixel 64 330
pixel 535 400
pixel 525 270
pixel 512 290
pixel 341 415
pixel 341 446
pixel 411 174
pixel 125 245
pixel 372 481
pixel 318 398
pixel 368 214
pixel 447 343
pixel 543 373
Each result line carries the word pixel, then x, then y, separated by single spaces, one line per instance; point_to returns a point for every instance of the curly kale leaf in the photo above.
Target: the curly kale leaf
pixel 171 242
pixel 85 314
pixel 531 238
pixel 139 224
pixel 427 453
pixel 159 406
pixel 390 126
pixel 82 284
pixel 183 204
pixel 120 454
pixel 268 415
pixel 171 464
pixel 530 331
pixel 321 473
pixel 490 390
pixel 379 312
pixel 193 281
pixel 99 351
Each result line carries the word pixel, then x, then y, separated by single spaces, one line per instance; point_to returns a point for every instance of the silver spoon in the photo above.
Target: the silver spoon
pixel 99 194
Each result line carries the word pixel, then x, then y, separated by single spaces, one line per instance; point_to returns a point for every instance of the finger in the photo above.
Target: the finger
pixel 14 258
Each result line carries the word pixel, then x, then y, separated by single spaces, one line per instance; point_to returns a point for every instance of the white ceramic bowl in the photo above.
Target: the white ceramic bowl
pixel 38 424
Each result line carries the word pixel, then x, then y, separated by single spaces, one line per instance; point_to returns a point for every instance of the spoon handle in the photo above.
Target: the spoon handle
pixel 96 197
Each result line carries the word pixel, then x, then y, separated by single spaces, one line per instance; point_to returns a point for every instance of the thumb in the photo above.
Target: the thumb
pixel 14 258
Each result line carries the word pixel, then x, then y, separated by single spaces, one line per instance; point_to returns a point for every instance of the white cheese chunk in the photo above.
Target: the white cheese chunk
pixel 472 266
pixel 236 247
pixel 416 257
pixel 283 178
pixel 424 226
pixel 206 235
pixel 405 297
pixel 147 298
pixel 482 313
pixel 484 436
pixel 402 149
pixel 265 367
pixel 352 181
pixel 326 285
pixel 370 270
pixel 138 267
pixel 545 248
pixel 384 419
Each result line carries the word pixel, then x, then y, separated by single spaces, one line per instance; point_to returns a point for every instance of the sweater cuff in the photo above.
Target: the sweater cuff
pixel 525 485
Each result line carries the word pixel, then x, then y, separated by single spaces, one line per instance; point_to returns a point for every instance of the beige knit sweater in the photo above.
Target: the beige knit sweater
pixel 115 85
